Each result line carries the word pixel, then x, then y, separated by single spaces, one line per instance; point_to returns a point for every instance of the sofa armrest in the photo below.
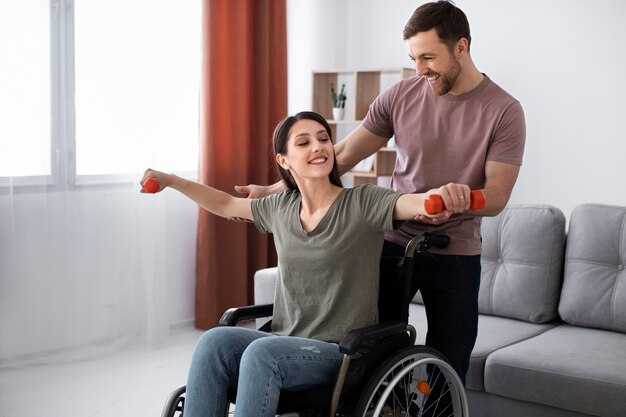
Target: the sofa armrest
pixel 234 315
pixel 264 284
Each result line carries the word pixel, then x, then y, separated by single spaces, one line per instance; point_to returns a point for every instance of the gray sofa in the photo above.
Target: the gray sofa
pixel 552 329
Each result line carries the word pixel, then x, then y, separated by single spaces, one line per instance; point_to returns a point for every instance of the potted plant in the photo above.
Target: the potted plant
pixel 339 101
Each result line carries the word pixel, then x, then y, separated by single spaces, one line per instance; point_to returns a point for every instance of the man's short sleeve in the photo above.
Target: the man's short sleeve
pixel 378 119
pixel 510 137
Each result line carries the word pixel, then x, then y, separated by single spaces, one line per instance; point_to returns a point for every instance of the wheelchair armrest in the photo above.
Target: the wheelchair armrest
pixel 351 342
pixel 234 315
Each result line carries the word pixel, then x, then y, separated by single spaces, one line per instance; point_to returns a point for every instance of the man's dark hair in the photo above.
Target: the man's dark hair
pixel 448 20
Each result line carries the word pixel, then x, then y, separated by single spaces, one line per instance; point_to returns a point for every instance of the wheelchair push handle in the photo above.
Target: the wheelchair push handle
pixel 434 202
pixel 439 241
pixel 420 244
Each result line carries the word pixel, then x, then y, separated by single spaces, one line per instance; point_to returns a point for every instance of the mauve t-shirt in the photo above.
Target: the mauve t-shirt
pixel 449 138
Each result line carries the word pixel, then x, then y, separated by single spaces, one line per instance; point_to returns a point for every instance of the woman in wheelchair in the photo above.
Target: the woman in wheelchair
pixel 329 241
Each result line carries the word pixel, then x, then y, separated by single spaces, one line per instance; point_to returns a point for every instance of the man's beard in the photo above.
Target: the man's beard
pixel 447 80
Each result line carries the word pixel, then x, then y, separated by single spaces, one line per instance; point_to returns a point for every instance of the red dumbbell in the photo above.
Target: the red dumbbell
pixel 151 185
pixel 434 202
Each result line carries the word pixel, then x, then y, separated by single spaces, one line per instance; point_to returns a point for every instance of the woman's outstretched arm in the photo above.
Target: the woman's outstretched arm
pixel 409 206
pixel 215 201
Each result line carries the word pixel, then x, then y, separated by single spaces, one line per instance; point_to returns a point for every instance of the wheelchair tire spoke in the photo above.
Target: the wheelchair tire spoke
pixel 415 382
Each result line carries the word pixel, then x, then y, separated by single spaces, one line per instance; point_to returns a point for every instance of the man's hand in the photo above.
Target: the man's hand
pixel 456 199
pixel 254 191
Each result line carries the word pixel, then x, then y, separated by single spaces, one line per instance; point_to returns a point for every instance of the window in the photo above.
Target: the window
pixel 24 88
pixel 98 90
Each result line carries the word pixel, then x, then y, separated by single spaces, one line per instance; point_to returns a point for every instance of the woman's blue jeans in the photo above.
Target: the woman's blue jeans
pixel 262 363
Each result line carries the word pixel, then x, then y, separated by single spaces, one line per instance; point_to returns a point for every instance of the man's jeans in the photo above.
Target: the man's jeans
pixel 262 363
pixel 449 286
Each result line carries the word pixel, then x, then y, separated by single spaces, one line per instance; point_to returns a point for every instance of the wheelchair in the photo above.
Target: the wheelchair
pixel 383 372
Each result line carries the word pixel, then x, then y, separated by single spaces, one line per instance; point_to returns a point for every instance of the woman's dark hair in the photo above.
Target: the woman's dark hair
pixel 281 137
pixel 448 20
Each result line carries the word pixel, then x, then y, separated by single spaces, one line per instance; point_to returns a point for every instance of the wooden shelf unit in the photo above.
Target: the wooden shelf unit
pixel 383 165
pixel 362 88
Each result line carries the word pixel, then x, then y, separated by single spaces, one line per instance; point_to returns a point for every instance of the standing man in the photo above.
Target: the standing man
pixel 455 131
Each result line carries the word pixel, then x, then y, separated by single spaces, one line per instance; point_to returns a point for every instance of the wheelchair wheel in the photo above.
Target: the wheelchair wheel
pixel 175 404
pixel 416 381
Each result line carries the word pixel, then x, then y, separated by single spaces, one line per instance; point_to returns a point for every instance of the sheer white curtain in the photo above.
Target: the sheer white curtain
pixel 87 262
pixel 95 267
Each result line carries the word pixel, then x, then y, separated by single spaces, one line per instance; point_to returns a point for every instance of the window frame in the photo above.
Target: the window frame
pixel 62 137
pixel 28 183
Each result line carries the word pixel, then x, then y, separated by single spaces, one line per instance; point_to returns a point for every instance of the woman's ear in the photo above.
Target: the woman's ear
pixel 282 161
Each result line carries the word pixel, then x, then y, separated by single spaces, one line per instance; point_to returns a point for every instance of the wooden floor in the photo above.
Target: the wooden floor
pixel 130 381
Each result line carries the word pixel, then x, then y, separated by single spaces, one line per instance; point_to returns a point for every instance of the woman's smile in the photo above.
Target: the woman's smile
pixel 318 161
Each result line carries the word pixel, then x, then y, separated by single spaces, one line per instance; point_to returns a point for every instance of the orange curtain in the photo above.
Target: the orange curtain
pixel 244 96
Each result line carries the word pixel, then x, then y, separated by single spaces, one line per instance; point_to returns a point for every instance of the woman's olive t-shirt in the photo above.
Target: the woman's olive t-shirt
pixel 327 282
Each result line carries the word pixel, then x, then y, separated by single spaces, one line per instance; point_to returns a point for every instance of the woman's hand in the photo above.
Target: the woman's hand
pixel 147 182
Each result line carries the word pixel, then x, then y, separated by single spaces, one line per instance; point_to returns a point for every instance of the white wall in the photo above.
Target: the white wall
pixel 562 59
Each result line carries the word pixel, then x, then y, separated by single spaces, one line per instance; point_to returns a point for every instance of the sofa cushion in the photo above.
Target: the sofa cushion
pixel 594 288
pixel 522 263
pixel 483 404
pixel 568 367
pixel 493 334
